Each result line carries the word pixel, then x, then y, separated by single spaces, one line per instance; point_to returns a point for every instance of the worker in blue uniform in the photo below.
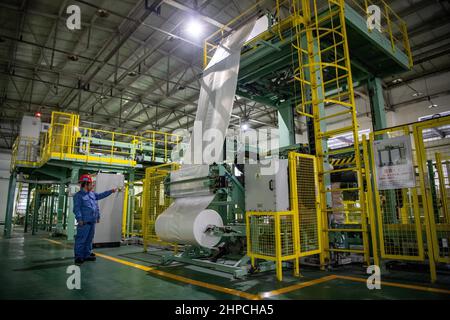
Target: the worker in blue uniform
pixel 87 214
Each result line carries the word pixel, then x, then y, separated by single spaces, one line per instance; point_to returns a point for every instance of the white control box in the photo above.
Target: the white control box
pixel 265 189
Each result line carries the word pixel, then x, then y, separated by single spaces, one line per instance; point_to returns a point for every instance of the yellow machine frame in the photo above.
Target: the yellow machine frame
pixel 422 200
pixel 154 176
pixel 302 221
pixel 60 143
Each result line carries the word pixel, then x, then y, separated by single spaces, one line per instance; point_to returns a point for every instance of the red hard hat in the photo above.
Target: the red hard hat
pixel 86 178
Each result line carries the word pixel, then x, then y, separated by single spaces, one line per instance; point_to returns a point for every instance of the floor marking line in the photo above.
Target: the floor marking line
pixel 173 276
pixel 297 286
pixel 130 264
pixel 396 284
pixel 263 294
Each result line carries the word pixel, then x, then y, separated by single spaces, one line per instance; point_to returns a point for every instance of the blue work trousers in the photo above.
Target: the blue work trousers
pixel 83 240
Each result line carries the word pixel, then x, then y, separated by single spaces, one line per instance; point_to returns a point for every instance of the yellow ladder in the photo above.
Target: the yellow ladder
pixel 326 88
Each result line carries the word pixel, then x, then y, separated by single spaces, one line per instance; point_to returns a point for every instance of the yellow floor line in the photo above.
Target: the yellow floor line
pixel 297 286
pixel 173 276
pixel 395 284
pixel 262 295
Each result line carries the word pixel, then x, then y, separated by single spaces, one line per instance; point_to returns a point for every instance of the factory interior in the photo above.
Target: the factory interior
pixel 258 149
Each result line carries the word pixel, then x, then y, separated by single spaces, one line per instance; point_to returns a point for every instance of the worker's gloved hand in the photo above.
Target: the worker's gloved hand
pixel 114 190
pixel 80 223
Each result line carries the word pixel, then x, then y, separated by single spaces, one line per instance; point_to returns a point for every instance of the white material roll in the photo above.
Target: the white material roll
pixel 186 221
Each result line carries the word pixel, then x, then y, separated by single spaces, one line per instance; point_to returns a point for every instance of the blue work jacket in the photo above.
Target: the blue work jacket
pixel 85 206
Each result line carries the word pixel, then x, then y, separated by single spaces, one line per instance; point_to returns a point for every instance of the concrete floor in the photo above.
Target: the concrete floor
pixel 34 267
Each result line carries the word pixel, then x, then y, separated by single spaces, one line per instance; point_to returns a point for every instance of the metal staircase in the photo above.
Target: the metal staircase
pixel 21 199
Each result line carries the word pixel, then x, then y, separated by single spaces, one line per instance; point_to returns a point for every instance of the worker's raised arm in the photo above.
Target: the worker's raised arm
pixel 100 196
pixel 77 207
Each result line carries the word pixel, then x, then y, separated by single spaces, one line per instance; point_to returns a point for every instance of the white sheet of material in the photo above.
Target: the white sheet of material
pixel 186 219
pixel 109 230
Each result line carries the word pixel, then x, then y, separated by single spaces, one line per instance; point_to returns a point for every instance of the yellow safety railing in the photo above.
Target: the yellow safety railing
pixel 413 223
pixel 398 211
pixel 154 201
pixel 432 153
pixel 393 27
pixel 290 235
pixel 272 236
pixel 66 140
pixel 211 42
pixel 304 197
pixel 135 226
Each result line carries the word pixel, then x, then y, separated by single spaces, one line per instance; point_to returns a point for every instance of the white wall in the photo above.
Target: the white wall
pixel 5 160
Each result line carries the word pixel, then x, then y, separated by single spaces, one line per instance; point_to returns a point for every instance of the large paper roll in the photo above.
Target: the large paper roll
pixel 189 227
pixel 187 218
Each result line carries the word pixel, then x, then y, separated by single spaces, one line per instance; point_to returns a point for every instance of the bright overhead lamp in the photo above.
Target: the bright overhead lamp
pixel 245 126
pixel 194 28
pixel 398 80
pixel 431 105
pixel 417 94
pixel 72 57
pixel 102 13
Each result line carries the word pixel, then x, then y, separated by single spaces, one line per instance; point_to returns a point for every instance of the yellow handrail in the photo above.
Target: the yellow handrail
pixel 66 140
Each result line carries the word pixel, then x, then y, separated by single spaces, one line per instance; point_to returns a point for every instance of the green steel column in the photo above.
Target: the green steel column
pixel 70 216
pixel 375 88
pixel 52 211
pixel 433 190
pixel 379 122
pixel 286 125
pixel 45 213
pixel 10 205
pixel 37 204
pixel 60 212
pixel 130 203
pixel 66 204
pixel 27 208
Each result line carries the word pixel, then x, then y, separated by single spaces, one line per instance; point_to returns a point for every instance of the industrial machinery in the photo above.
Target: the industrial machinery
pixel 55 154
pixel 228 201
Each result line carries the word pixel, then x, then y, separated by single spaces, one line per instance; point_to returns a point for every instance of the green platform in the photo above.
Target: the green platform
pixel 371 54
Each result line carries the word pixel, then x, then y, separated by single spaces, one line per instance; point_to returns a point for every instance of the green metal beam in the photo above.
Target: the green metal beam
pixel 10 204
pixel 27 208
pixel 60 210
pixel 70 216
pixel 375 88
pixel 286 125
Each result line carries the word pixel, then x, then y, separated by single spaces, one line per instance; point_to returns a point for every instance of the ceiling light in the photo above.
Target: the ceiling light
pixel 417 94
pixel 73 57
pixel 102 13
pixel 194 28
pixel 38 114
pixel 431 105
pixel 398 80
pixel 245 126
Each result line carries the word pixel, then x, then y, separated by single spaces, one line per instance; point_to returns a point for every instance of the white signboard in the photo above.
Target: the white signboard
pixel 394 163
